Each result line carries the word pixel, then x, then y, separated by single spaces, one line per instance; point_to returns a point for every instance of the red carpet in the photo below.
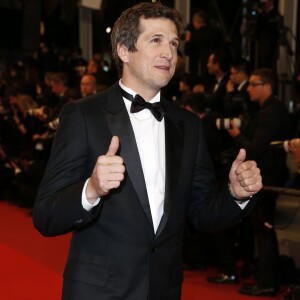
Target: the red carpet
pixel 31 265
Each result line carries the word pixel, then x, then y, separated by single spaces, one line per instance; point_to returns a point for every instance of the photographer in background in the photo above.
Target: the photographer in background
pixel 236 100
pixel 270 123
pixel 199 44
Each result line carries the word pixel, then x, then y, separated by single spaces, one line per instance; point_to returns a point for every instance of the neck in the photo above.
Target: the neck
pixel 263 100
pixel 147 93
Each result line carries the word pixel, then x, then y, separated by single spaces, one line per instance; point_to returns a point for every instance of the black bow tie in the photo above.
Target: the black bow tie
pixel 139 103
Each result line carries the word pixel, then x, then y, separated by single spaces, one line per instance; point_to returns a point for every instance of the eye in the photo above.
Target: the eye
pixel 174 44
pixel 155 40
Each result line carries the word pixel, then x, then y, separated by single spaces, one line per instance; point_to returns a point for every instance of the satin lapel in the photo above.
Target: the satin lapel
pixel 174 143
pixel 119 123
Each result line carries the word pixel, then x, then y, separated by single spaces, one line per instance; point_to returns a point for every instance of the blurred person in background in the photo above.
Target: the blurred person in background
pixel 236 100
pixel 200 43
pixel 218 66
pixel 270 123
pixel 88 85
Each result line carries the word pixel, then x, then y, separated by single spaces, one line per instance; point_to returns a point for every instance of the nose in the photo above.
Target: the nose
pixel 167 52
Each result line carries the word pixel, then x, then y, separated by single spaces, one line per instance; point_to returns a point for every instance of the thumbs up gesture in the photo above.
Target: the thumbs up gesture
pixel 107 174
pixel 244 176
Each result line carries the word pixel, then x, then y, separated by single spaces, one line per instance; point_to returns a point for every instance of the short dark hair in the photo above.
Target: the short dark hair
pixel 266 75
pixel 127 28
pixel 60 78
pixel 242 65
pixel 222 57
pixel 200 16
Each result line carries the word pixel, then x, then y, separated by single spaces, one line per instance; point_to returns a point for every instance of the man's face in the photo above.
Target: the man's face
pixel 87 86
pixel 236 76
pixel 196 23
pixel 211 65
pixel 55 88
pixel 153 64
pixel 92 67
pixel 268 3
pixel 256 88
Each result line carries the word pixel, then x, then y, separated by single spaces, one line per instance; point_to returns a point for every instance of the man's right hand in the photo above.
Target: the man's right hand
pixel 229 86
pixel 107 174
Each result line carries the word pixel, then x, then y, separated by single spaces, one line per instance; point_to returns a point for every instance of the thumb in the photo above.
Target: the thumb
pixel 240 157
pixel 114 146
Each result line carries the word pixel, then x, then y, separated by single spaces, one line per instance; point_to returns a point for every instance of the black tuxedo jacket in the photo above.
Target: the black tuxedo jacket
pixel 114 252
pixel 215 98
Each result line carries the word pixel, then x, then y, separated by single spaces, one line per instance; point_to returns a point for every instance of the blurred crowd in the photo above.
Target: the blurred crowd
pixel 33 89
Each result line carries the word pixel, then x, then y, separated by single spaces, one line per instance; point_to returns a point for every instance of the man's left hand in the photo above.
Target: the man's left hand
pixel 244 176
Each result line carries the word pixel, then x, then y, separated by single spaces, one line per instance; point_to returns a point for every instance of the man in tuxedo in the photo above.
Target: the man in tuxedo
pixel 123 179
pixel 218 66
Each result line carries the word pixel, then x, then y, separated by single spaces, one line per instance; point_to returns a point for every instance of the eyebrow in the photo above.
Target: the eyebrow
pixel 177 39
pixel 162 35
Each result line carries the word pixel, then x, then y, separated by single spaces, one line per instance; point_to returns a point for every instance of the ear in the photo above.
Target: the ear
pixel 123 53
pixel 268 86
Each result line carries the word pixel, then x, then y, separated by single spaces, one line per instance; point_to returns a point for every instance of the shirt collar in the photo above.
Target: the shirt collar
pixel 156 98
pixel 241 85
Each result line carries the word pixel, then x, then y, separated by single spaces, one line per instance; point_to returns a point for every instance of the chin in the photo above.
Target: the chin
pixel 164 81
pixel 162 84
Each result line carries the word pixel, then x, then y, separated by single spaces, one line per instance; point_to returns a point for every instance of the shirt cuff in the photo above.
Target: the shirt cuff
pixel 242 204
pixel 85 203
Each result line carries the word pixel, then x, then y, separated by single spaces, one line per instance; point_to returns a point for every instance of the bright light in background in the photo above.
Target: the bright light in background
pixel 153 1
pixel 108 30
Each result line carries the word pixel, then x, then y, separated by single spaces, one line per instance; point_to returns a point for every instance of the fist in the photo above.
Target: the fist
pixel 108 173
pixel 245 178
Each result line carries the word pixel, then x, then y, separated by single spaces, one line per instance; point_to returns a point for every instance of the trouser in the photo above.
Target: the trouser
pixel 268 271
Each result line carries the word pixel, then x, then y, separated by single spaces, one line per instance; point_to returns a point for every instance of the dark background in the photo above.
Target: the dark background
pixel 20 19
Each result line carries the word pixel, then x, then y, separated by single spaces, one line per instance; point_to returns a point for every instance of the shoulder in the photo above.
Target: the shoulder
pixel 102 96
pixel 178 113
pixel 274 107
pixel 99 100
pixel 276 103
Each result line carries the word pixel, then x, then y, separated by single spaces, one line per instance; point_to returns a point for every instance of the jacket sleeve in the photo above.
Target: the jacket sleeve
pixel 211 209
pixel 58 209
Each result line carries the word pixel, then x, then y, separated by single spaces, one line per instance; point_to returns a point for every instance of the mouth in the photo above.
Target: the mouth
pixel 164 68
